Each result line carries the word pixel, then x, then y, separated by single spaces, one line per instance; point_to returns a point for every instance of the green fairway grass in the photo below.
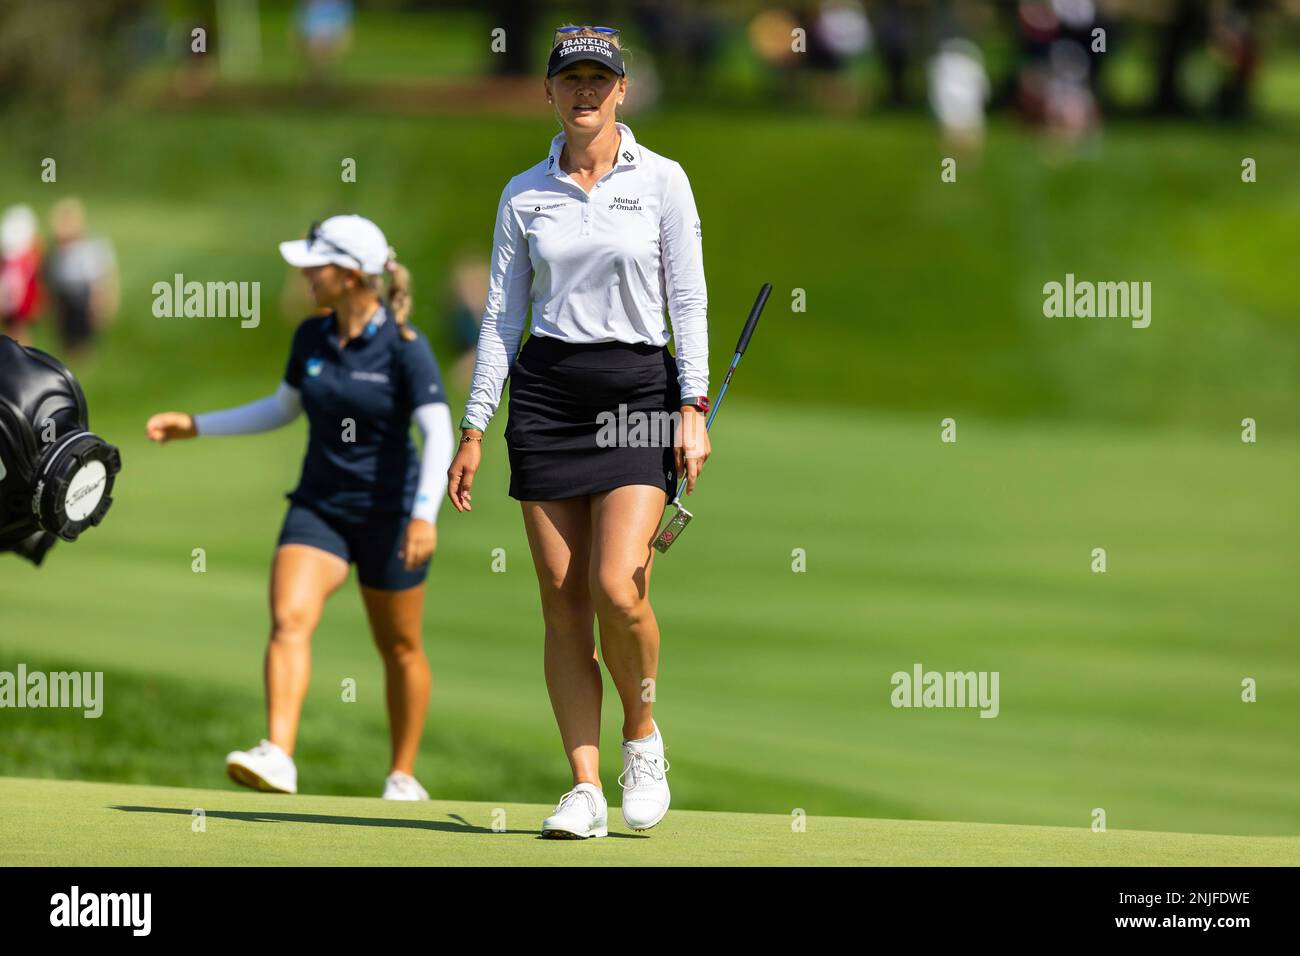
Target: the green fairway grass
pixel 64 823
pixel 1119 691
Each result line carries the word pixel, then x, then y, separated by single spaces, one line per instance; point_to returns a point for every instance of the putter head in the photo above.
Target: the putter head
pixel 673 529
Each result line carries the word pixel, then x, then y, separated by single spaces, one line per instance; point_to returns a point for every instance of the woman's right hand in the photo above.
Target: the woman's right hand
pixel 167 426
pixel 460 476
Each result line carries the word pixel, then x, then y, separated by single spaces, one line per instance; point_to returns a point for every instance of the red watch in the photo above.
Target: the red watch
pixel 701 402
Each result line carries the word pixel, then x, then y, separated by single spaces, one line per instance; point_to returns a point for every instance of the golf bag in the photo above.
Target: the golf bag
pixel 56 476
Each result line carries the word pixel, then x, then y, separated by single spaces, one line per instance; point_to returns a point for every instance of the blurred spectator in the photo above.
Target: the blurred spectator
pixel 1071 107
pixel 959 90
pixel 810 49
pixel 469 286
pixel 20 267
pixel 1182 33
pixel 82 276
pixel 1055 85
pixel 683 39
pixel 898 31
pixel 771 36
pixel 644 87
pixel 1234 43
pixel 838 33
pixel 325 34
pixel 193 41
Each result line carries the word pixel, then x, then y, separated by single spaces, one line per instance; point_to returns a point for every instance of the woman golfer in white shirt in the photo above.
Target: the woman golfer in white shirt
pixel 597 238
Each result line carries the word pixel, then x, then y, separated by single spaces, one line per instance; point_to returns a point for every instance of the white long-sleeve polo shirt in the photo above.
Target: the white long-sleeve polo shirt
pixel 596 267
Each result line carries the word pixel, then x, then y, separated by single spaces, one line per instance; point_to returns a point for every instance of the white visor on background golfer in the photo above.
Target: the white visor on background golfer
pixel 353 242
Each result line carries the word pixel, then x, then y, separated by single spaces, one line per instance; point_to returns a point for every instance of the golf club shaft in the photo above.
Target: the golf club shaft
pixel 741 344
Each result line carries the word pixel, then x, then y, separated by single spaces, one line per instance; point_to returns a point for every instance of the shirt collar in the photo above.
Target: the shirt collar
pixel 629 153
pixel 373 328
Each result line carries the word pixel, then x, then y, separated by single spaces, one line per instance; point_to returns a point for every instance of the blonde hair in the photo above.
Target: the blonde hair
pixel 398 297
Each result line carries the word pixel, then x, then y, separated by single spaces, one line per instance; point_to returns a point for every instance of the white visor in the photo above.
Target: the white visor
pixel 301 255
pixel 352 242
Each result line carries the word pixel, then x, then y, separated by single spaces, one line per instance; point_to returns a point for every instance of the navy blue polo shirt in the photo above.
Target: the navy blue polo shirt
pixel 358 399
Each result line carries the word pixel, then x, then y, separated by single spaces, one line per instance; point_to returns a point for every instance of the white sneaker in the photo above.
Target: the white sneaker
pixel 645 782
pixel 402 786
pixel 581 813
pixel 265 767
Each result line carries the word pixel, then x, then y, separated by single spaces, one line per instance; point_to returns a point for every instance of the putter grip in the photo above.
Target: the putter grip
pixel 754 313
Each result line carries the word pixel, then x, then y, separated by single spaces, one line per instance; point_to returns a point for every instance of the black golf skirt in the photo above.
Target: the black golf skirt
pixel 586 418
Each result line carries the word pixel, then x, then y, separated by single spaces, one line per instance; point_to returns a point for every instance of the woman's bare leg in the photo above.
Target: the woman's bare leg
pixel 559 535
pixel 624 522
pixel 302 577
pixel 396 619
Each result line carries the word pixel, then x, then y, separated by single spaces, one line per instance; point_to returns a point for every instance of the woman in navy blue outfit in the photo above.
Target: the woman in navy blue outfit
pixel 362 374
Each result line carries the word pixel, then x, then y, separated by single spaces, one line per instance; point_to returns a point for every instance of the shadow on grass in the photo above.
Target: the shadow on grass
pixel 458 823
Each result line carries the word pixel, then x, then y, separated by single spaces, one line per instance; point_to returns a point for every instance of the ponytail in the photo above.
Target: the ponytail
pixel 399 294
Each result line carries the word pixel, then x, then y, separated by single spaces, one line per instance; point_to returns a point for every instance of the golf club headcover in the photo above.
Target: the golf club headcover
pixel 56 476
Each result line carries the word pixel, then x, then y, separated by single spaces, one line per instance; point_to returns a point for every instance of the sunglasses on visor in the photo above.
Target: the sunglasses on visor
pixel 314 236
pixel 564 33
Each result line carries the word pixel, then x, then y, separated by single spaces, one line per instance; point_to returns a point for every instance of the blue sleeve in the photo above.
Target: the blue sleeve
pixel 422 380
pixel 293 369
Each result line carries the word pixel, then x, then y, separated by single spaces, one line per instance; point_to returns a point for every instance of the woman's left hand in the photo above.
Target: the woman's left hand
pixel 694 448
pixel 421 541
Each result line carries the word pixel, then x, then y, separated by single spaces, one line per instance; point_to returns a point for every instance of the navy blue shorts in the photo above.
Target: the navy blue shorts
pixel 371 545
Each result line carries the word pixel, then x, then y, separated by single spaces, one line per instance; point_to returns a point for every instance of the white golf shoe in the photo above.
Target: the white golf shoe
pixel 265 767
pixel 402 786
pixel 581 813
pixel 645 781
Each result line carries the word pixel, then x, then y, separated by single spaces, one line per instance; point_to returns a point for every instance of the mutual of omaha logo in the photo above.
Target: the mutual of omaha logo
pixel 630 204
pixel 314 366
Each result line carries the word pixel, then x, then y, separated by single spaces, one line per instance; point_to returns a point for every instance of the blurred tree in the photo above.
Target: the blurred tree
pixel 517 18
pixel 1182 33
pixel 62 56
